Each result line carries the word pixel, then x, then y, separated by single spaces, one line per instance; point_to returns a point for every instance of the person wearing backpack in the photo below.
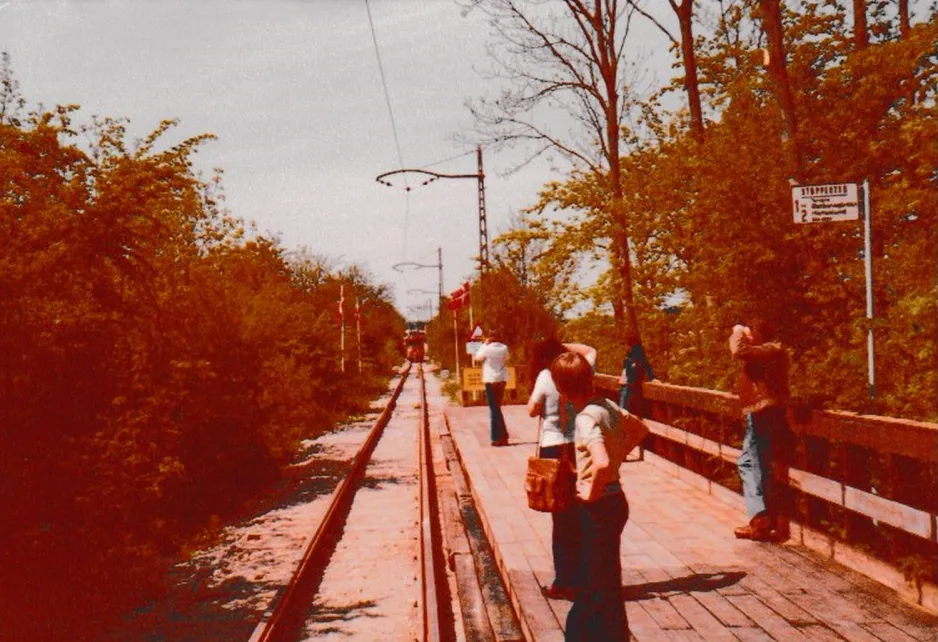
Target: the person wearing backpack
pixel 635 370
pixel 603 436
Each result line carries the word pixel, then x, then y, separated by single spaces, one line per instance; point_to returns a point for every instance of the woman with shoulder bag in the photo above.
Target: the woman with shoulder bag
pixel 555 441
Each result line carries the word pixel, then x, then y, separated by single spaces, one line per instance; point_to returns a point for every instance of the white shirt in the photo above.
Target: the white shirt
pixel 554 430
pixel 545 393
pixel 493 356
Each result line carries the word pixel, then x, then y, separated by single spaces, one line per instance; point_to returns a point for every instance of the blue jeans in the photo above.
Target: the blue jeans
pixel 565 535
pixel 598 612
pixel 624 394
pixel 760 490
pixel 632 396
pixel 494 393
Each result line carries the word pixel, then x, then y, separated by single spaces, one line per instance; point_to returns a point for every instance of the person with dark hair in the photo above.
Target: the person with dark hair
pixel 763 393
pixel 635 370
pixel 598 612
pixel 494 357
pixel 556 417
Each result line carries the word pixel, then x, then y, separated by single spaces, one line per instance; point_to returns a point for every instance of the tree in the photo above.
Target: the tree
pixel 685 16
pixel 159 359
pixel 861 37
pixel 903 17
pixel 571 62
pixel 771 15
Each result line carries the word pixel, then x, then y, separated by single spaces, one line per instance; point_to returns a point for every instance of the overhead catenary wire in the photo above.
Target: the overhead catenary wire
pixel 446 160
pixel 397 142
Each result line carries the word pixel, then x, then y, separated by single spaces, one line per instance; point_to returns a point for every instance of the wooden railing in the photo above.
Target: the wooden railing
pixel 866 481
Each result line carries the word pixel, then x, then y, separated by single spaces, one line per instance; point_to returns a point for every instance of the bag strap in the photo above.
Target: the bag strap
pixel 537 452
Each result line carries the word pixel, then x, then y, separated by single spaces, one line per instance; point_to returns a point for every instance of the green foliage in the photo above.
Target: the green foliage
pixel 158 361
pixel 712 237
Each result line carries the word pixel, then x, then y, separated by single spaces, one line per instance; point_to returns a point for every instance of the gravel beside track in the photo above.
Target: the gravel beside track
pixel 371 587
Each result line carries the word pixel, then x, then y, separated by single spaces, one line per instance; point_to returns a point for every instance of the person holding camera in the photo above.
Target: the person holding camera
pixel 763 394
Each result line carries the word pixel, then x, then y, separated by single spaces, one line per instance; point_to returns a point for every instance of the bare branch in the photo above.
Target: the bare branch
pixel 634 4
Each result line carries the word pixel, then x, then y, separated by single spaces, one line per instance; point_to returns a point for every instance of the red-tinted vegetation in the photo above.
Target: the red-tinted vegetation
pixel 158 362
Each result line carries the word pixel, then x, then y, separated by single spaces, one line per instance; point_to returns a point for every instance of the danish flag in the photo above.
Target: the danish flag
pixel 459 298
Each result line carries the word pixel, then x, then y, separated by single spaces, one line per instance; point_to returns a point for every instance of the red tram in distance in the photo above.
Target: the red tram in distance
pixel 415 344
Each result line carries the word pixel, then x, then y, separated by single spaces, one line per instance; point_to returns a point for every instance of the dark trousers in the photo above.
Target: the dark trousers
pixel 494 393
pixel 632 398
pixel 598 612
pixel 565 536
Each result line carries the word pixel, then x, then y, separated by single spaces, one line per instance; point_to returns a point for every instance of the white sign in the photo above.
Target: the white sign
pixel 472 347
pixel 476 333
pixel 822 203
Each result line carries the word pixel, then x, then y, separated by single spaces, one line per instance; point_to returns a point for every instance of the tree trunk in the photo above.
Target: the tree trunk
pixel 685 15
pixel 904 25
pixel 778 70
pixel 620 244
pixel 861 37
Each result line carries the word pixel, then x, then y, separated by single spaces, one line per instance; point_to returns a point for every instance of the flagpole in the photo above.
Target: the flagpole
pixel 456 343
pixel 342 324
pixel 358 327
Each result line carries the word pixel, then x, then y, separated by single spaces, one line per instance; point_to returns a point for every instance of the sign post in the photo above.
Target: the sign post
pixel 825 203
pixel 456 343
pixel 843 202
pixel 868 267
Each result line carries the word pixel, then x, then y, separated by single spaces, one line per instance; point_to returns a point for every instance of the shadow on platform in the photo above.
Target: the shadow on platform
pixel 696 583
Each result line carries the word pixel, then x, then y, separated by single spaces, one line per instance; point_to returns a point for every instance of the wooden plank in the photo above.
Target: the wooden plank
pixel 752 634
pixel 700 619
pixel 831 608
pixel 779 604
pixel 723 609
pixel 853 632
pixel 888 633
pixel 766 618
pixel 903 517
pixel 683 635
pixel 541 623
pixel 664 613
pixel 820 633
pixel 915 439
pixel 641 624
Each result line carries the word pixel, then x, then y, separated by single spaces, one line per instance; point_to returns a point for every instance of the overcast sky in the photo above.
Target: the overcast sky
pixel 293 91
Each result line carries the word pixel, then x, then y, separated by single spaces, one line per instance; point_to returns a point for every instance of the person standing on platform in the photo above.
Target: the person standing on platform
pixel 763 393
pixel 556 418
pixel 598 612
pixel 494 357
pixel 635 370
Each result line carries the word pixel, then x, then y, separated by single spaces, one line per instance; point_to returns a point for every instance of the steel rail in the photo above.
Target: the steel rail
pixel 429 531
pixel 282 619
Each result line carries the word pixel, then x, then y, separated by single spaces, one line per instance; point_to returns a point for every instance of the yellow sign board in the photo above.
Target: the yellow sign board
pixel 472 379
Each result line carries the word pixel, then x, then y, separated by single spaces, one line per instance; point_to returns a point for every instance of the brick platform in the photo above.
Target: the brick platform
pixel 686 577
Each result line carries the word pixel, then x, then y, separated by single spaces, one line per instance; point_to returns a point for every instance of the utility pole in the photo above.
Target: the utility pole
pixel 483 233
pixel 439 264
pixel 479 177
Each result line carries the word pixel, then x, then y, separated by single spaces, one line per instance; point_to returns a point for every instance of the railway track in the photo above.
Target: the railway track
pixel 398 554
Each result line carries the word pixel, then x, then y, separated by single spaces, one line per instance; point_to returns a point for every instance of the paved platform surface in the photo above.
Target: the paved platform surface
pixel 685 576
